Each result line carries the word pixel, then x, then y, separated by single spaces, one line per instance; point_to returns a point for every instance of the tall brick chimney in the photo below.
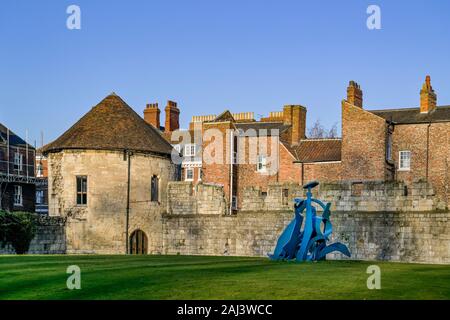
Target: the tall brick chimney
pixel 151 115
pixel 427 97
pixel 354 94
pixel 295 115
pixel 172 116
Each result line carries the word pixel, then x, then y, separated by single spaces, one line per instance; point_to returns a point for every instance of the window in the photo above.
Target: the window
pixel 18 199
pixel 189 150
pixel 404 160
pixel 40 197
pixel 18 161
pixel 234 203
pixel 154 197
pixel 81 190
pixel 189 174
pixel 389 147
pixel 262 164
pixel 39 170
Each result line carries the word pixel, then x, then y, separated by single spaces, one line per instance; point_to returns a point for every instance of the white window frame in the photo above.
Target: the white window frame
pixel 186 174
pixel 18 161
pixel 401 165
pixel 18 195
pixel 39 170
pixel 261 164
pixel 39 196
pixel 190 150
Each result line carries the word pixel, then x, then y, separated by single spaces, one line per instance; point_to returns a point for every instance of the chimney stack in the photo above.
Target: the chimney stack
pixel 172 116
pixel 427 97
pixel 151 115
pixel 295 115
pixel 354 94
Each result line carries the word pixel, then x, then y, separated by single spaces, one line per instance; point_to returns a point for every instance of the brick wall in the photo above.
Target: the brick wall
pixel 330 171
pixel 417 138
pixel 363 144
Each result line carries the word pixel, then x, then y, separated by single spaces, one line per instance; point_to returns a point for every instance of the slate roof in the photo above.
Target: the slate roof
pixel 14 139
pixel 111 125
pixel 316 150
pixel 413 115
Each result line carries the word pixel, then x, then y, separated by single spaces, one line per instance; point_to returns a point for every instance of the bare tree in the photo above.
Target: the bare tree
pixel 319 131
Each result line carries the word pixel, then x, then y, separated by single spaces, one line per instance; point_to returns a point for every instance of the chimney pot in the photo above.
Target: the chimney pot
pixel 427 97
pixel 354 94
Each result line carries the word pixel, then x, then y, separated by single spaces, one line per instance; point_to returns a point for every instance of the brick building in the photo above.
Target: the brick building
pixel 17 175
pixel 406 145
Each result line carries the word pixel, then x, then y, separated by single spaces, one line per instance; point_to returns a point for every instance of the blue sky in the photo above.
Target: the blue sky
pixel 215 55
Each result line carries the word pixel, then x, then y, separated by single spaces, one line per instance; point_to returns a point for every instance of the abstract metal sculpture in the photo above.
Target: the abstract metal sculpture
pixel 308 244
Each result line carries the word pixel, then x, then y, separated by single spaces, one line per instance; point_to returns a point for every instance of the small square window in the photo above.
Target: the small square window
pixel 189 174
pixel 404 160
pixel 189 150
pixel 261 166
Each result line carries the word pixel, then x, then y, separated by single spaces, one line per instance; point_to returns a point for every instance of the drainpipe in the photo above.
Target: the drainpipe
pixel 428 149
pixel 127 154
pixel 231 170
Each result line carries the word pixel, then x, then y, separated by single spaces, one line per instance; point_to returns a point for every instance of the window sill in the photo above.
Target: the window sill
pixel 403 170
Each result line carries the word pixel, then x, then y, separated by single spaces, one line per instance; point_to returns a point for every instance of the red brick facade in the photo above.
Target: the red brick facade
pixel 369 149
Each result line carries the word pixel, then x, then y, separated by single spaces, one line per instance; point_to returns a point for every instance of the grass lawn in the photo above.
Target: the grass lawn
pixel 195 277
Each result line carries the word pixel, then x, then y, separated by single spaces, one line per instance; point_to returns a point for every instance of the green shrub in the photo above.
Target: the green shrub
pixel 17 229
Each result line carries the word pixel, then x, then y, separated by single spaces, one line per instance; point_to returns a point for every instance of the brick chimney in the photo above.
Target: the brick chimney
pixel 427 97
pixel 354 94
pixel 172 116
pixel 295 115
pixel 151 115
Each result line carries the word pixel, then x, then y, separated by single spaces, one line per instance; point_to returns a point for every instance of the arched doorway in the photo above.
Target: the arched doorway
pixel 138 242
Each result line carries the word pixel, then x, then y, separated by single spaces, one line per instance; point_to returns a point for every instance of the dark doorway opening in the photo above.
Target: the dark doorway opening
pixel 138 242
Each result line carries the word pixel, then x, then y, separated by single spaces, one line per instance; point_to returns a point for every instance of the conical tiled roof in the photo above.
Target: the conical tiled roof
pixel 111 125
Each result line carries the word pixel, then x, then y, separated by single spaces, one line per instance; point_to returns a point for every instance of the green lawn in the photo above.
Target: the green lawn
pixel 194 277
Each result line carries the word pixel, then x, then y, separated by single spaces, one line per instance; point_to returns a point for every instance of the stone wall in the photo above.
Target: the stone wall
pixel 378 221
pixel 185 198
pixel 346 196
pixel 406 236
pixel 99 226
pixel 50 237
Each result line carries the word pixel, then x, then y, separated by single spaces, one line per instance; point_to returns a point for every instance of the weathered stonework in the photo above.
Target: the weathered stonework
pixel 49 239
pixel 405 236
pixel 378 221
pixel 99 227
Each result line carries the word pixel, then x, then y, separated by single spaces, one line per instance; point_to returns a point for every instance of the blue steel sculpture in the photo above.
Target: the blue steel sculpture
pixel 308 244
